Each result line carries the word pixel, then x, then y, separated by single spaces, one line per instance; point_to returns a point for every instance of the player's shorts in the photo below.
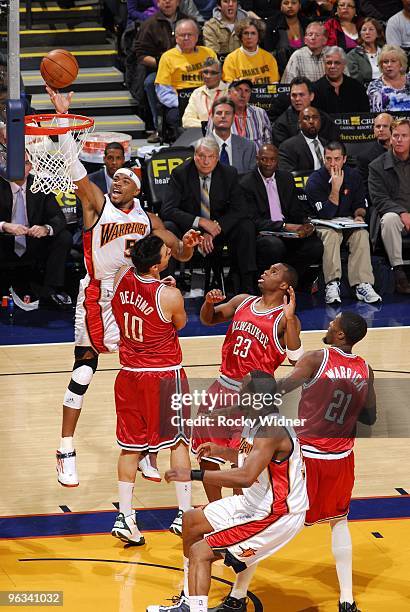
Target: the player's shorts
pixel 226 391
pixel 329 485
pixel 95 324
pixel 245 534
pixel 146 418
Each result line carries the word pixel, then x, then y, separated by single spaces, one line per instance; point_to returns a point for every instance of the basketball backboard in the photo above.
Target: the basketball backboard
pixel 11 105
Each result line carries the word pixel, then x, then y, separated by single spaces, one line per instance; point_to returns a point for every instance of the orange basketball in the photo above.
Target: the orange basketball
pixel 59 68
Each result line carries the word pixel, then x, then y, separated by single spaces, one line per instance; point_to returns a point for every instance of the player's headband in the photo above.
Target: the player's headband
pixel 131 175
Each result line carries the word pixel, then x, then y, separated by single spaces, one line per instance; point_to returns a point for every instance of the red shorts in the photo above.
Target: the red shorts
pixel 223 435
pixel 146 418
pixel 329 486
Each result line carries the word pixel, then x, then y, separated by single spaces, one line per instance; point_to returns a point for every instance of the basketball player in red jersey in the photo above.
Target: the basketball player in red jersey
pixel 148 314
pixel 263 331
pixel 112 224
pixel 337 391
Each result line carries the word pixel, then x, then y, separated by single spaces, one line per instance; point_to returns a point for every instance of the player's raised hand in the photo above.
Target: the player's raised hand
pixel 192 238
pixel 289 304
pixel 61 102
pixel 169 281
pixel 215 296
pixel 178 475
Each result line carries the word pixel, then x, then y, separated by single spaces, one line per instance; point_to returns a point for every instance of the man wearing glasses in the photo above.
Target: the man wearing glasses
pixel 200 102
pixel 335 92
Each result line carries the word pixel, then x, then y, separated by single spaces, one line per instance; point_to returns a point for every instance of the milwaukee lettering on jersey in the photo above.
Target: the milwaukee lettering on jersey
pixel 129 297
pixel 111 231
pixel 341 372
pixel 251 329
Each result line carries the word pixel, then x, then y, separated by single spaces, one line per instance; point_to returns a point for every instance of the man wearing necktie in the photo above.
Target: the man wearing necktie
pixel 305 151
pixel 272 198
pixel 32 232
pixel 203 193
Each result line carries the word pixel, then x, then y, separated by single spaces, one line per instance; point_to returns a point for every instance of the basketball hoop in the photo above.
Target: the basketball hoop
pixel 50 158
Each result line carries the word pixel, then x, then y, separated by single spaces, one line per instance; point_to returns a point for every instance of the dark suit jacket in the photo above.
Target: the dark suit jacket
pixel 258 203
pixel 369 153
pixel 98 178
pixel 295 154
pixel 182 202
pixel 41 209
pixel 287 125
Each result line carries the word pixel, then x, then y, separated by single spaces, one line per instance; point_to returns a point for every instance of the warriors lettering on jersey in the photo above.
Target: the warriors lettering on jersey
pixel 111 231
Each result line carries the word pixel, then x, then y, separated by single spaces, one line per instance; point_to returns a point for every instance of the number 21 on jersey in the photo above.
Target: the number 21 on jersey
pixel 133 327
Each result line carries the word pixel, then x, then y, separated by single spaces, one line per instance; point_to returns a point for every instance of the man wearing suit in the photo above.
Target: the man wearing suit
pixel 234 150
pixel 205 194
pixel 272 198
pixel 114 158
pixel 304 152
pixel 33 230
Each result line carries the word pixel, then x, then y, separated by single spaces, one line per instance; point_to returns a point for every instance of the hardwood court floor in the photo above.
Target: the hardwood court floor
pixel 92 571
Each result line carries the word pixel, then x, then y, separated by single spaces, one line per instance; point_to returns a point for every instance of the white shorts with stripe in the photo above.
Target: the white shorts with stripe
pixel 95 324
pixel 248 534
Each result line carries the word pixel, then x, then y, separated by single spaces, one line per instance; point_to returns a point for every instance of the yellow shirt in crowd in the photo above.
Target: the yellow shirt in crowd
pixel 260 67
pixel 182 70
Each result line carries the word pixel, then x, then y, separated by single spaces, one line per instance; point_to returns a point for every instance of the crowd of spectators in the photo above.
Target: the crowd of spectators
pixel 330 57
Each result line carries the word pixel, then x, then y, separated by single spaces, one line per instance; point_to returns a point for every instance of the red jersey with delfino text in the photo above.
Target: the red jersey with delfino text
pixel 331 403
pixel 147 338
pixel 252 342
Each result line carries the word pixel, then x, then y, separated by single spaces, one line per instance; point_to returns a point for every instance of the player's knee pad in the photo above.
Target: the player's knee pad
pixel 81 377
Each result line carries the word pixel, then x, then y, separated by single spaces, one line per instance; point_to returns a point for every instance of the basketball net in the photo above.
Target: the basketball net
pixel 51 159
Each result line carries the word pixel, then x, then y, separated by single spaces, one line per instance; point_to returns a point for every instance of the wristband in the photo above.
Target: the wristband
pixel 197 474
pixel 296 354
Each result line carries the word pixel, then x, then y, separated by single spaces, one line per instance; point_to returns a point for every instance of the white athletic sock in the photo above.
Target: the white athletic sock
pixel 342 552
pixel 125 491
pixel 242 582
pixel 66 445
pixel 183 492
pixel 186 569
pixel 198 603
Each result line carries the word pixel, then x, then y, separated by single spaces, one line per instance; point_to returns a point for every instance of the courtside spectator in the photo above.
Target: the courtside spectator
pixel 309 60
pixel 250 61
pixel 389 189
pixel 180 68
pixel 272 199
pixel 301 96
pixel 335 92
pixel 391 91
pixel 234 150
pixel 285 31
pixel 113 159
pixel 398 27
pixel 305 151
pixel 338 191
pixel 362 61
pixel 219 32
pixel 200 102
pixel 342 30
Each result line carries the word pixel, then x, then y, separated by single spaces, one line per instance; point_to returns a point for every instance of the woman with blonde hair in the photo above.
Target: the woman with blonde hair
pixel 250 61
pixel 362 61
pixel 391 91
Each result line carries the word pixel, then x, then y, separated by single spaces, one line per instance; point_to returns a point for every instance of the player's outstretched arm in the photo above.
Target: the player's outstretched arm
pixel 304 370
pixel 368 414
pixel 182 250
pixel 213 312
pixel 210 449
pixel 91 196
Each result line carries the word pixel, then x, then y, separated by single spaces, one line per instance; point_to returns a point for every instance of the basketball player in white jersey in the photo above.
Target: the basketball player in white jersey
pixel 244 529
pixel 112 224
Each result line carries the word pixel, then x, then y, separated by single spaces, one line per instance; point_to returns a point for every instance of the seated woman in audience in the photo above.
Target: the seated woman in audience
pixel 201 100
pixel 390 92
pixel 343 28
pixel 285 31
pixel 250 61
pixel 362 61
